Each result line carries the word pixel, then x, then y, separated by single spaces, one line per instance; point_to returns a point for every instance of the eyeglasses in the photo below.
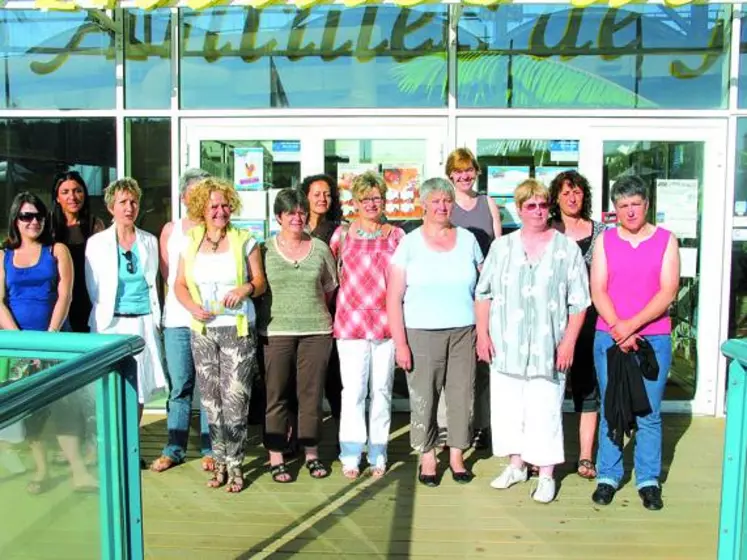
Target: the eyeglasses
pixel 130 261
pixel 372 200
pixel 533 206
pixel 28 217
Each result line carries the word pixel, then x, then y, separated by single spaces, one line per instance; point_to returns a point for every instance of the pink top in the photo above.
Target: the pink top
pixel 361 301
pixel 633 277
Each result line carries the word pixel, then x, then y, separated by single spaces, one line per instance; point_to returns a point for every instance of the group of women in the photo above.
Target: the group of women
pixel 486 327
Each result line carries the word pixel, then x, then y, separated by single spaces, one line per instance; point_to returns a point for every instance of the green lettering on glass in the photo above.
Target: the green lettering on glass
pixel 567 47
pixel 329 52
pixel 363 50
pixel 137 49
pixel 250 52
pixel 298 29
pixel 607 30
pixel 211 51
pixel 679 69
pixel 101 23
pixel 402 29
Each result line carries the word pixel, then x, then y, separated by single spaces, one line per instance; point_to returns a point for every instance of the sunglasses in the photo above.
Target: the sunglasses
pixel 371 200
pixel 532 206
pixel 28 217
pixel 130 263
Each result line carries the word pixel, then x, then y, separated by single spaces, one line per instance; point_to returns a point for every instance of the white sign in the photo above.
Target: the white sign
pixel 248 168
pixel 677 206
pixel 503 179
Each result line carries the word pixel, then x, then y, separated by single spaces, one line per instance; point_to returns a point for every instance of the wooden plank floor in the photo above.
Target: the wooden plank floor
pixel 398 518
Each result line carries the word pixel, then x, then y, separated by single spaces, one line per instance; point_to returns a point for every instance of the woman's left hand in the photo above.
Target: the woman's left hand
pixel 233 299
pixel 622 330
pixel 564 356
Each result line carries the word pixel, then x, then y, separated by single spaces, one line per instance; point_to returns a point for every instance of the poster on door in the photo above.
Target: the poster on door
pixel 403 191
pixel 346 173
pixel 677 206
pixel 503 179
pixel 248 168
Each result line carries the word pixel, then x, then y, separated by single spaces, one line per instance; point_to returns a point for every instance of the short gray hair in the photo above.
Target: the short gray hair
pixel 627 186
pixel 436 185
pixel 190 176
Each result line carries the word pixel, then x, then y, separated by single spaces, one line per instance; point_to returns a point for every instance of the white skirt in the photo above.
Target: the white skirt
pixel 150 374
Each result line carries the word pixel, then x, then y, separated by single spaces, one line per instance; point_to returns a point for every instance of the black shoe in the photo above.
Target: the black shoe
pixel 651 496
pixel 482 439
pixel 429 480
pixel 604 494
pixel 462 477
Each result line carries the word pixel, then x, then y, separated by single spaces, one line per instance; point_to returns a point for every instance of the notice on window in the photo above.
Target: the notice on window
pixel 403 191
pixel 545 175
pixel 503 179
pixel 509 213
pixel 346 172
pixel 249 168
pixel 255 227
pixel 677 206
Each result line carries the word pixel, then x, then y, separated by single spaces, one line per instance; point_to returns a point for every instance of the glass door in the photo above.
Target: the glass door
pixel 681 160
pixel 262 155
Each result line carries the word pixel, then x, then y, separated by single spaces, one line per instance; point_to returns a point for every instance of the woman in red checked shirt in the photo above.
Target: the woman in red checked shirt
pixel 363 250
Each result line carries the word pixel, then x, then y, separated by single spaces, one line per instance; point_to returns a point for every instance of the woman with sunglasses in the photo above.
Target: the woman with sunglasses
pixel 72 224
pixel 36 280
pixel 363 251
pixel 121 269
pixel 531 301
pixel 479 214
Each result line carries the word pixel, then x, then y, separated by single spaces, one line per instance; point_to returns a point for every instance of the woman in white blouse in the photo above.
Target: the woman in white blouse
pixel 531 301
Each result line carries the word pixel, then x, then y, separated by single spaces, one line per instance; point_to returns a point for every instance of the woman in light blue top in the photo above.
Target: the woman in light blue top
pixel 430 304
pixel 121 269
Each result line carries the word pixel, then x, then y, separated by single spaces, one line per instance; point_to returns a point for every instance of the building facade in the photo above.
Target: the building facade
pixel 265 93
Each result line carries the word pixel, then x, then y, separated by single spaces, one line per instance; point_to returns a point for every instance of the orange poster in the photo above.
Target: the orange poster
pixel 346 172
pixel 403 192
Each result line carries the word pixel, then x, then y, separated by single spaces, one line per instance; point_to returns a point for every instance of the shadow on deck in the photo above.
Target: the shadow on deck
pixel 397 517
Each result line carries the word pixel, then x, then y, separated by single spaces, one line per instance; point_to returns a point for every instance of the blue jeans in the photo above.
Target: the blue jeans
pixel 181 373
pixel 647 456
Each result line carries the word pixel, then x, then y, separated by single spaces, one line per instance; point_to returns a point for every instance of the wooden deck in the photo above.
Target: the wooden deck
pixel 396 517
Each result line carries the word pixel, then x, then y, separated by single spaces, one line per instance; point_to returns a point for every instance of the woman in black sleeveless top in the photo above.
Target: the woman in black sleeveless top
pixel 72 225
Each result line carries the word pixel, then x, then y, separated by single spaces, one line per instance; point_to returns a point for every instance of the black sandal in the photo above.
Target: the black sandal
pixel 316 467
pixel 235 483
pixel 590 469
pixel 219 477
pixel 277 471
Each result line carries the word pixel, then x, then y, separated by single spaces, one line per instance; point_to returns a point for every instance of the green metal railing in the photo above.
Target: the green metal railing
pixel 92 364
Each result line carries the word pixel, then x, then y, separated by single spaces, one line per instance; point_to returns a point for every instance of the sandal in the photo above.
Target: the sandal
pixel 378 472
pixel 163 463
pixel 317 468
pixel 219 476
pixel 235 481
pixel 280 474
pixel 208 463
pixel 36 487
pixel 351 473
pixel 586 469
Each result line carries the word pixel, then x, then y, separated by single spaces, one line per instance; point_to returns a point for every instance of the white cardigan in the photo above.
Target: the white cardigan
pixel 102 275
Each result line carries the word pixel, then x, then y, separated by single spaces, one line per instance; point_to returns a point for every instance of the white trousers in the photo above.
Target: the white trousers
pixel 366 370
pixel 526 418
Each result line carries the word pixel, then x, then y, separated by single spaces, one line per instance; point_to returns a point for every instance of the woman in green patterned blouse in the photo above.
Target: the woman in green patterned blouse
pixel 295 326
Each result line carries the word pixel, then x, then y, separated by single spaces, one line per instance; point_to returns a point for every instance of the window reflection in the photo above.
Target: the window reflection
pixel 327 56
pixel 57 60
pixel 640 57
pixel 32 151
pixel 149 161
pixel 147 59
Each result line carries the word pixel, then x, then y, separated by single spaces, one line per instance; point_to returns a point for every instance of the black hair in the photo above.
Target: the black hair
pixel 14 235
pixel 288 200
pixel 334 214
pixel 58 225
pixel 575 179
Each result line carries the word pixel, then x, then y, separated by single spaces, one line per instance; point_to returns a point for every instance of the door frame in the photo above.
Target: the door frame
pixel 714 280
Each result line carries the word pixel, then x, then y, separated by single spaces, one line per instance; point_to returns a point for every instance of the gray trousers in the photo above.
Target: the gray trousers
pixel 443 361
pixel 481 418
pixel 225 363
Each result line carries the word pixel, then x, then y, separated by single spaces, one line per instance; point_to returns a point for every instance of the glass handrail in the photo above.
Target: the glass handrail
pixel 79 400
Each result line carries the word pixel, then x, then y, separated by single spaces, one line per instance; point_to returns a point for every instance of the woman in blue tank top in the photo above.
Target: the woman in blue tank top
pixel 36 282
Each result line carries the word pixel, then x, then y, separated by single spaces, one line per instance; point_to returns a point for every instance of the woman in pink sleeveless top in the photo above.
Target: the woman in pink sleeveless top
pixel 635 276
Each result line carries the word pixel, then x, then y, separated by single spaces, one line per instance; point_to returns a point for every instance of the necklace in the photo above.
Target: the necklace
pixel 214 244
pixel 289 250
pixel 375 234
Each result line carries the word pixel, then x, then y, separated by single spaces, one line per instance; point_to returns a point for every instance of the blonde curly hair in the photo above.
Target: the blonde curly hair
pixel 199 196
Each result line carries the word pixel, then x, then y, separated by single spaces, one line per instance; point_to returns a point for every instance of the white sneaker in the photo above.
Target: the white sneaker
pixel 509 477
pixel 545 492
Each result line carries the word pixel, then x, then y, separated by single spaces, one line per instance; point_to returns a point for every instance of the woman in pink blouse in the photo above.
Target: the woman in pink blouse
pixel 363 250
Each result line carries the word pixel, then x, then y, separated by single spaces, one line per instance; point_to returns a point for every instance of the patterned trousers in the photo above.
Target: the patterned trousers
pixel 225 364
